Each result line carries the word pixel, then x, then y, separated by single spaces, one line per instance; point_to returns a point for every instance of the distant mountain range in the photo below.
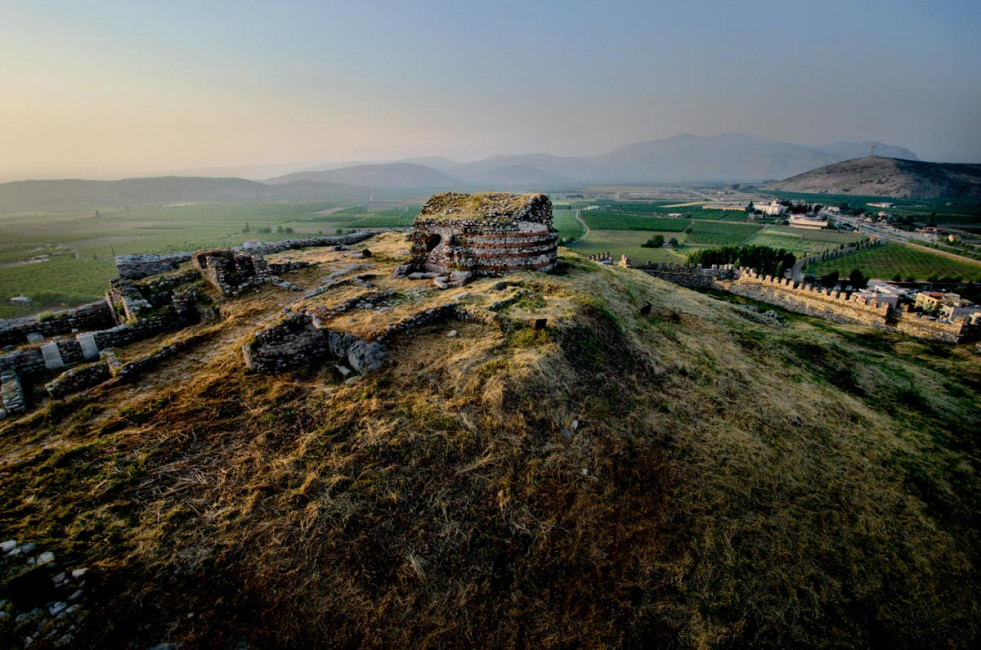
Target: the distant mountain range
pixel 892 177
pixel 393 175
pixel 681 159
pixel 22 196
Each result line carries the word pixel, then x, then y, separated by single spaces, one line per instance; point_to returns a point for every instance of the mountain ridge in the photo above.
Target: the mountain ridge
pixel 888 177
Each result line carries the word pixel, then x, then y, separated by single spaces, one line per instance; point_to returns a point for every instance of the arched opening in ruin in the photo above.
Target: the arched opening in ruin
pixel 432 241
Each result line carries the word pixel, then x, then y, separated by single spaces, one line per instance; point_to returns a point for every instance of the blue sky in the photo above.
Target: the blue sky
pixel 111 88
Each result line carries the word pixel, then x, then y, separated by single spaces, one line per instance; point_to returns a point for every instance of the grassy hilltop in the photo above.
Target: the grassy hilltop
pixel 700 477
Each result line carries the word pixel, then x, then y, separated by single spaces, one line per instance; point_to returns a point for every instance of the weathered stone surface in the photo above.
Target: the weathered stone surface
pixel 484 234
pixel 134 267
pixel 267 248
pixel 91 316
pixel 12 393
pixel 78 379
pixel 364 356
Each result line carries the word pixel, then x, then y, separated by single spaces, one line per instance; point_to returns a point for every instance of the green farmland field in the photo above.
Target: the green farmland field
pixel 883 262
pixel 610 220
pixel 80 245
pixel 564 220
pixel 628 242
pixel 802 241
pixel 720 233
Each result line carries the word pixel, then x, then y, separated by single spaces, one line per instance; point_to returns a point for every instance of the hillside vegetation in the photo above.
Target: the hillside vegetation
pixel 699 477
pixel 888 177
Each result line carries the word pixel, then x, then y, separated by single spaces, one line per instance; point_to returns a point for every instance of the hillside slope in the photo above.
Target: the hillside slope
pixel 888 177
pixel 699 477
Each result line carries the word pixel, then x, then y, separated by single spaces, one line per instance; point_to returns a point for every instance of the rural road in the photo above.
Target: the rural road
pixel 585 229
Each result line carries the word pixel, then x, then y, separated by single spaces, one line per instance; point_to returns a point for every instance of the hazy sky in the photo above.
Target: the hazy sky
pixel 99 88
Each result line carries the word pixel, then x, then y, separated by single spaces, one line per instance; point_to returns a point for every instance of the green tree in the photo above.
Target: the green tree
pixel 655 241
pixel 830 279
pixel 672 242
pixel 857 279
pixel 246 229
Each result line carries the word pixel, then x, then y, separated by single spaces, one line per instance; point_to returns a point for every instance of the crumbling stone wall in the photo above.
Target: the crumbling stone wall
pixel 485 234
pixel 78 379
pixel 920 326
pixel 816 301
pixel 268 248
pixel 234 273
pixel 297 342
pixel 135 267
pixel 695 277
pixel 95 315
pixel 12 398
pixel 131 299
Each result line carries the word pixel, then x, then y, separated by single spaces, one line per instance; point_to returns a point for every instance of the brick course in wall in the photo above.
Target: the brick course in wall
pixel 485 234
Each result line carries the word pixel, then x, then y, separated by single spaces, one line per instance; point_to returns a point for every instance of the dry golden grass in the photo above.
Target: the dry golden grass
pixel 725 483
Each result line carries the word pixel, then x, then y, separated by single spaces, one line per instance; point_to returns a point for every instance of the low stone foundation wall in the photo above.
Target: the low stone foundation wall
pixel 95 315
pixel 297 342
pixel 141 329
pixel 268 248
pixel 78 379
pixel 291 343
pixel 134 267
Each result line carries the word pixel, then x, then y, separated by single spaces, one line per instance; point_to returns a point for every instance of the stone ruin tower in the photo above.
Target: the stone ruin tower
pixel 486 234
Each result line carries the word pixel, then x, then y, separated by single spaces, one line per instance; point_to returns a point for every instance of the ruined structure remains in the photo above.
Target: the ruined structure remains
pixel 484 234
pixel 836 306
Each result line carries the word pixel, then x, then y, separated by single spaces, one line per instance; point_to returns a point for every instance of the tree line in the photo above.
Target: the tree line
pixel 765 260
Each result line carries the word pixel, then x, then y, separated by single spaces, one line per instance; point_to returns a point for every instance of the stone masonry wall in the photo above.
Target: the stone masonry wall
pixel 268 248
pixel 78 379
pixel 510 233
pixel 95 315
pixel 135 267
pixel 815 301
pixel 917 325
pixel 695 277
pixel 297 342
pixel 25 362
pixel 12 400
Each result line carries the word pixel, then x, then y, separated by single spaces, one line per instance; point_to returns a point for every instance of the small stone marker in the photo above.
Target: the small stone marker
pixel 452 333
pixel 90 350
pixel 52 356
pixel 539 324
pixel 645 310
